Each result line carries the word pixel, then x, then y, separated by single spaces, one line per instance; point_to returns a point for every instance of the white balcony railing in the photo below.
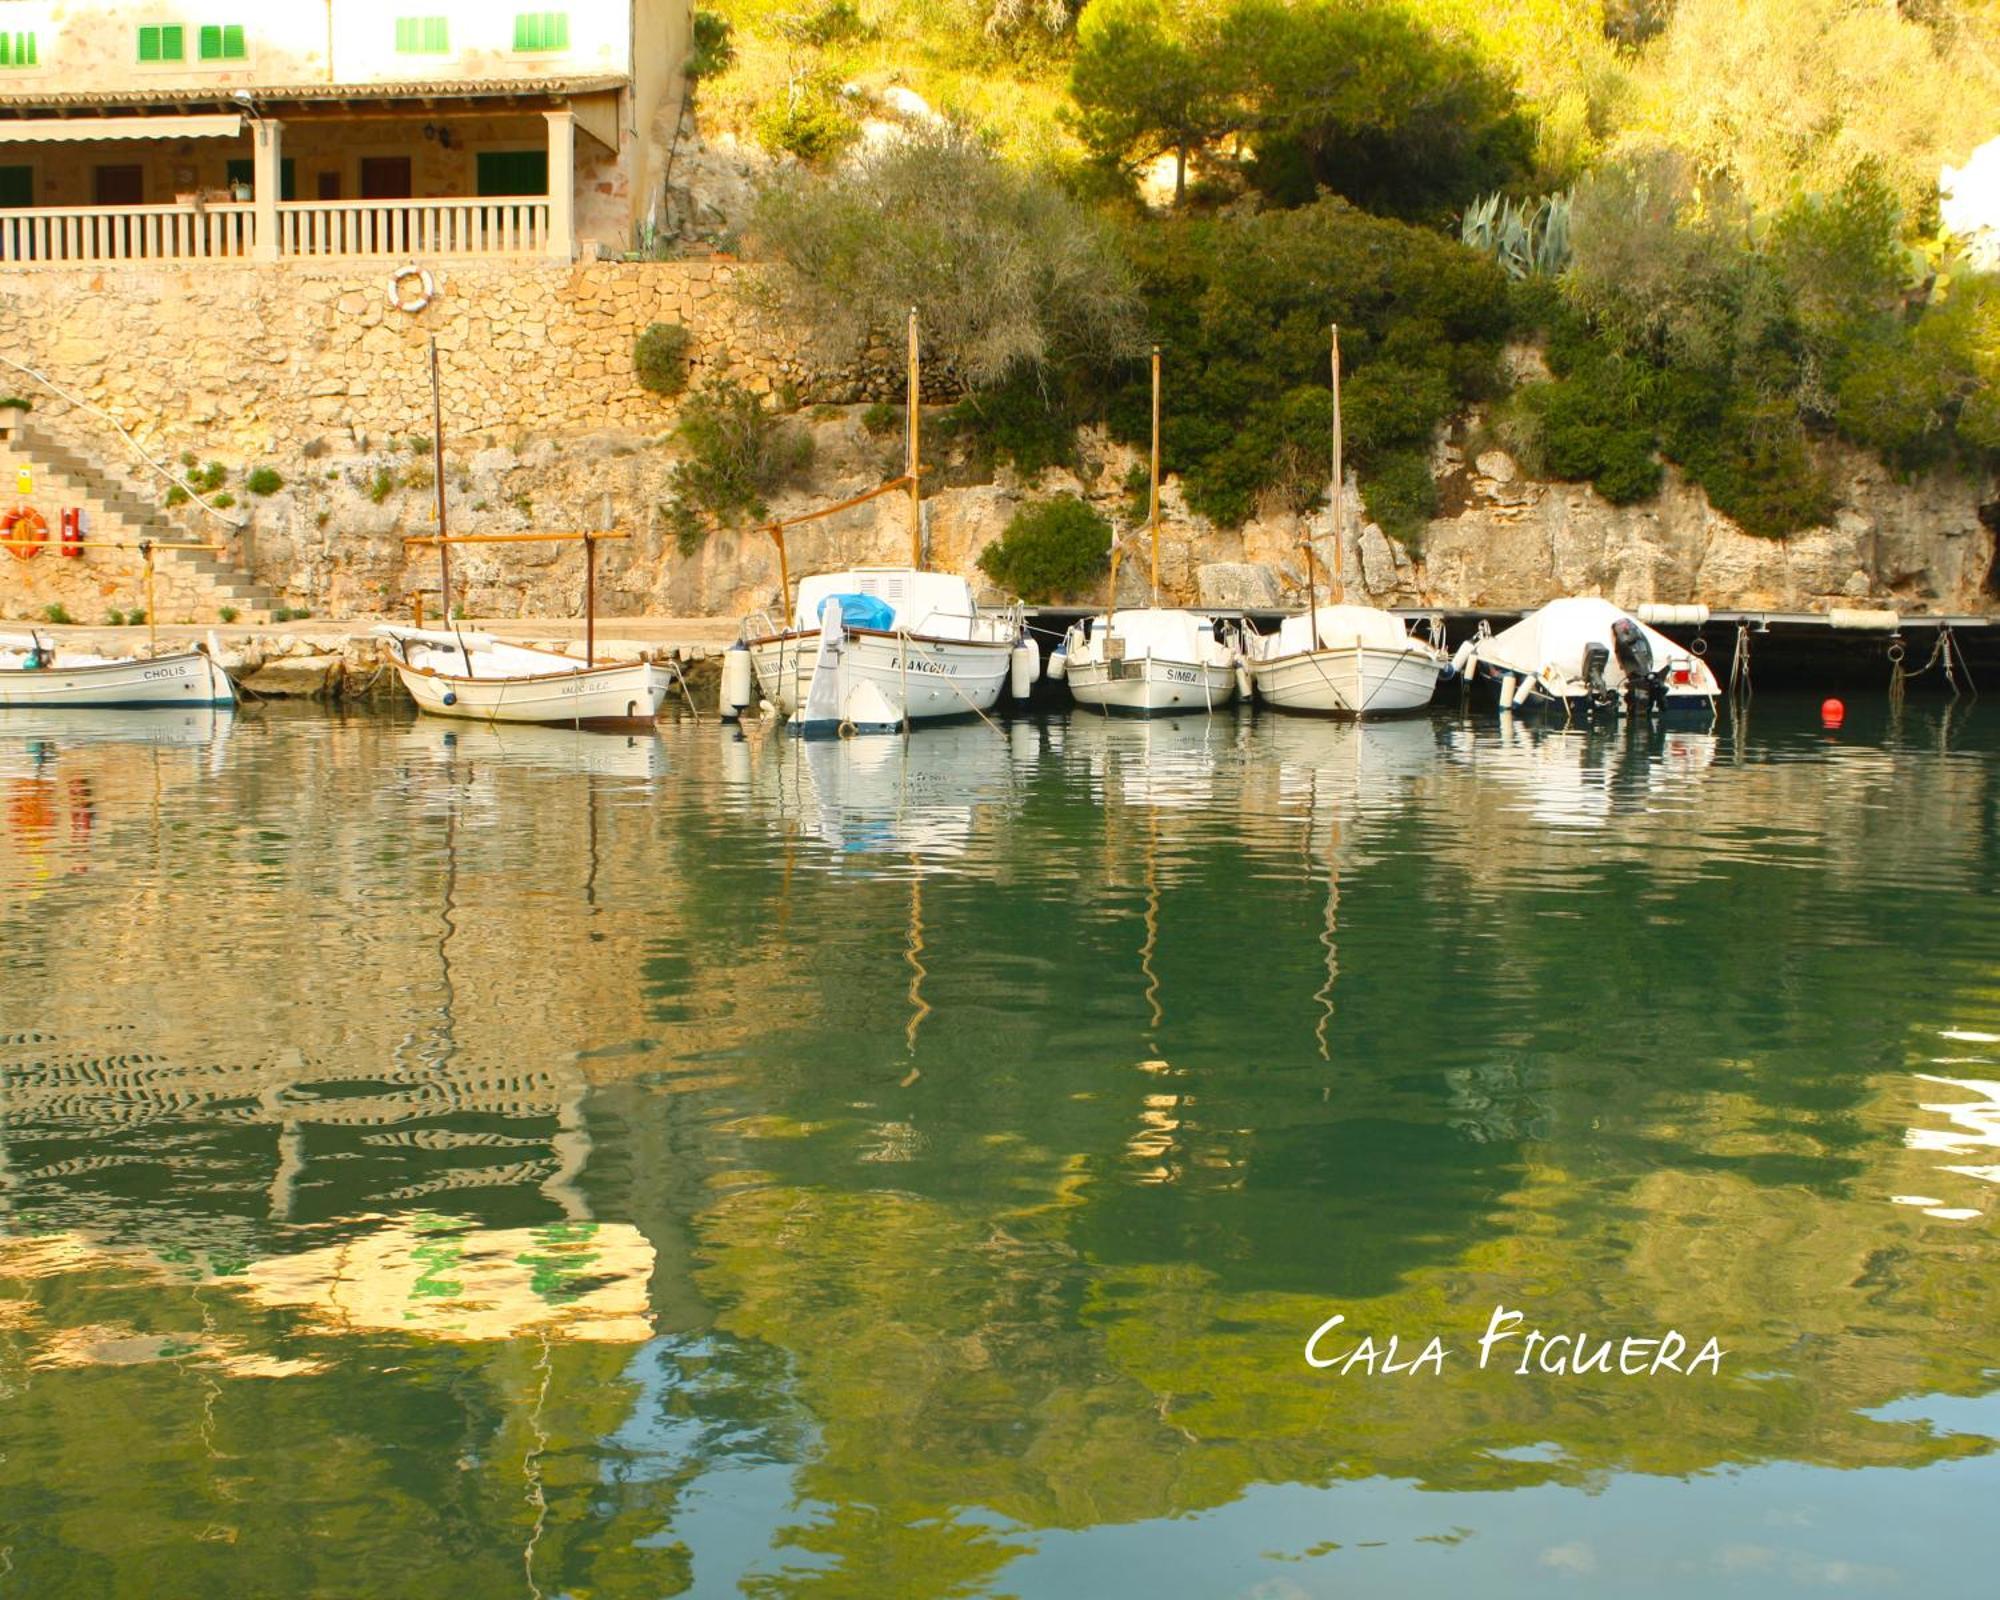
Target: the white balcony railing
pixel 308 229
pixel 128 233
pixel 516 226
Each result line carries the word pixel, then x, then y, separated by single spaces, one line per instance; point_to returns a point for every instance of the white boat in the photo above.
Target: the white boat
pixel 867 649
pixel 1152 661
pixel 1346 661
pixel 37 673
pixel 1585 657
pixel 478 678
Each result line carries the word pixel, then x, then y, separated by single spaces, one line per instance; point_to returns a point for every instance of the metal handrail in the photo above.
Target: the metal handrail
pixel 97 411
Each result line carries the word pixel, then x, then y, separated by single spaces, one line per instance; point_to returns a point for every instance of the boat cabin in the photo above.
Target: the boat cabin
pixel 938 605
pixel 1341 627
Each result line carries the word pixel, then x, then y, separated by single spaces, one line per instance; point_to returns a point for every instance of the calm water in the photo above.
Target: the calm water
pixel 539 1164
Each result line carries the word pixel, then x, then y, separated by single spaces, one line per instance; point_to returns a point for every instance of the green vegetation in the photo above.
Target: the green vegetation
pixel 382 485
pixel 263 480
pixel 16 402
pixel 1052 547
pixel 228 614
pixel 56 614
pixel 1717 218
pixel 209 478
pixel 660 357
pixel 739 452
pixel 222 501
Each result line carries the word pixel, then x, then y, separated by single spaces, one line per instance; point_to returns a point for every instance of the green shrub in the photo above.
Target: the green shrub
pixel 1052 547
pixel 1401 494
pixel 114 619
pixel 135 619
pixel 661 356
pixel 57 614
pixel 1018 422
pixel 810 121
pixel 16 401
pixel 228 614
pixel 176 495
pixel 420 476
pixel 711 50
pixel 209 478
pixel 263 480
pixel 382 485
pixel 882 419
pixel 223 501
pixel 739 452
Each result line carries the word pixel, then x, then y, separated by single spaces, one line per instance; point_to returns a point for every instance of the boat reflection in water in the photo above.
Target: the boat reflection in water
pixel 639 755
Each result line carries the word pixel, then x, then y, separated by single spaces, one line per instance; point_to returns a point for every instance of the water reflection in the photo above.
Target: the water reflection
pixel 708 1162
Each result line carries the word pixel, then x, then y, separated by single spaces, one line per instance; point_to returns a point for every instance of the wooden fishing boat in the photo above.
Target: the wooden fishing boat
pixel 1150 660
pixel 477 678
pixel 874 649
pixel 1343 660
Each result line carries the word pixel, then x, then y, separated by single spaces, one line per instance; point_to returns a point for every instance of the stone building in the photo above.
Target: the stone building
pixel 403 129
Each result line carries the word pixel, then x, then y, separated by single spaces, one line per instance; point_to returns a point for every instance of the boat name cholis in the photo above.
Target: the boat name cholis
pixel 1531 1351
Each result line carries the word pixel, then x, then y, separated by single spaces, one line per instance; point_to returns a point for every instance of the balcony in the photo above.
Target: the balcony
pixel 317 230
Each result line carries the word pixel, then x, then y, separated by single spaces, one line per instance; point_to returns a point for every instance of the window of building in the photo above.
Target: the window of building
pixel 17 50
pixel 17 187
pixel 223 42
pixel 243 169
pixel 165 43
pixel 423 36
pixel 541 30
pixel 120 184
pixel 504 172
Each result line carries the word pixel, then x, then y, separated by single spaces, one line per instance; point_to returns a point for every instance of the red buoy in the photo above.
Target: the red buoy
pixel 1832 713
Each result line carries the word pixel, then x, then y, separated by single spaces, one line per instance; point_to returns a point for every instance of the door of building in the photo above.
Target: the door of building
pixel 245 171
pixel 385 177
pixel 504 172
pixel 119 186
pixel 17 187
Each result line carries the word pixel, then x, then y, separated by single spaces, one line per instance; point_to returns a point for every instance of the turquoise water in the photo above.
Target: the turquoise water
pixel 456 1163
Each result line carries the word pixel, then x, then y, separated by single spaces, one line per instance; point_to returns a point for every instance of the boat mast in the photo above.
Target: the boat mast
pixel 437 472
pixel 1153 497
pixel 916 488
pixel 1339 487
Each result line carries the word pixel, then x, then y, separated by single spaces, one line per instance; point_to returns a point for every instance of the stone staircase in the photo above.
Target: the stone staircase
pixel 119 512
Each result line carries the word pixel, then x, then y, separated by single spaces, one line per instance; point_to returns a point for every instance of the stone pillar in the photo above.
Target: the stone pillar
pixel 562 184
pixel 266 182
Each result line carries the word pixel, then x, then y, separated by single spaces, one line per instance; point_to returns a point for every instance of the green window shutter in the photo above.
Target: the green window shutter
pixel 426 36
pixel 232 42
pixel 149 44
pixel 437 36
pixel 170 43
pixel 28 60
pixel 406 35
pixel 541 30
pixel 211 44
pixel 6 49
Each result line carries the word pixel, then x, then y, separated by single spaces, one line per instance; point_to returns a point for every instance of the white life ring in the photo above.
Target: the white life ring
pixel 426 288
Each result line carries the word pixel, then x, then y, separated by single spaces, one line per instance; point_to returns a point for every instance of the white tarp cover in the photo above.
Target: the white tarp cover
pixel 1341 626
pixel 1554 638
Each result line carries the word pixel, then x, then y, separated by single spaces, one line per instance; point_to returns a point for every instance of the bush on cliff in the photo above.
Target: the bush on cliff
pixel 1050 548
pixel 740 452
pixel 661 356
pixel 1242 306
pixel 1009 275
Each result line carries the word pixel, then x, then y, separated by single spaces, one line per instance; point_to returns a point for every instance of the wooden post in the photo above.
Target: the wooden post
pixel 1312 594
pixel 1153 499
pixel 152 608
pixel 590 600
pixel 916 484
pixel 437 470
pixel 1339 494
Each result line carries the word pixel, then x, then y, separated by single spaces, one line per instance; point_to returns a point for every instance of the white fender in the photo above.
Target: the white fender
pixel 736 682
pixel 1462 658
pixel 1024 666
pixel 1510 684
pixel 1059 662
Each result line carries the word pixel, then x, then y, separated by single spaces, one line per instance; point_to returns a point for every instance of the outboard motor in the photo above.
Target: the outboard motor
pixel 1643 679
pixel 1595 659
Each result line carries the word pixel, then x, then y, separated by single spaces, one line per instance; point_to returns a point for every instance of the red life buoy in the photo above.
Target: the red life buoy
pixel 24 531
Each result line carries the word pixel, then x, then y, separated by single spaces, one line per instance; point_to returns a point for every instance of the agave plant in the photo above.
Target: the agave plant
pixel 1529 238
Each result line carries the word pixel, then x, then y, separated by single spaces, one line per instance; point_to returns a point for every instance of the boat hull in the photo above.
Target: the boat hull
pixel 1682 708
pixel 629 694
pixel 1151 686
pixel 159 682
pixel 1349 681
pixel 881 678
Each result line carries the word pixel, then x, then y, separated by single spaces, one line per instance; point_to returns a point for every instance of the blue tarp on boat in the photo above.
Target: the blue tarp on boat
pixel 861 611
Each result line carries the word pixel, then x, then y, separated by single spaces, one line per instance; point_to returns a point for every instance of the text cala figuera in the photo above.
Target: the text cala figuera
pixel 1507 1346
